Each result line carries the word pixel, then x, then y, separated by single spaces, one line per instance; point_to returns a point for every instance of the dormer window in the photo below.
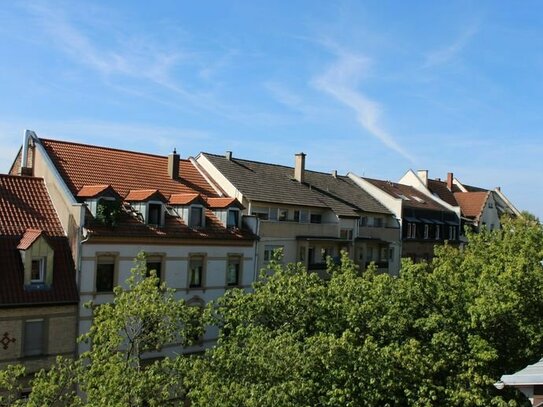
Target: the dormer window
pixel 103 203
pixel 149 203
pixel 196 217
pixel 37 257
pixel 154 213
pixel 37 271
pixel 233 218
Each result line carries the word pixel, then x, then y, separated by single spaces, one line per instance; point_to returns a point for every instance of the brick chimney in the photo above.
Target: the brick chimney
pixel 423 175
pixel 299 167
pixel 450 180
pixel 173 165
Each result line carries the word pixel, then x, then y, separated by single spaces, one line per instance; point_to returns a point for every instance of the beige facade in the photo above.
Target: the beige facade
pixel 54 326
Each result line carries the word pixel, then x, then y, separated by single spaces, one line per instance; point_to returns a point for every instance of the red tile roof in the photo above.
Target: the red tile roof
pixel 183 199
pixel 29 238
pixel 471 203
pixel 24 205
pixel 143 195
pixel 221 203
pixel 81 164
pixel 92 191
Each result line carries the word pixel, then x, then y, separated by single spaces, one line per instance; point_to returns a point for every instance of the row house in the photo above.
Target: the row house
pixel 114 204
pixel 425 221
pixel 309 215
pixel 38 294
pixel 478 207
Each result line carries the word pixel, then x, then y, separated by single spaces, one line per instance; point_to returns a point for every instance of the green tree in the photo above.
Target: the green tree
pixel 440 334
pixel 142 318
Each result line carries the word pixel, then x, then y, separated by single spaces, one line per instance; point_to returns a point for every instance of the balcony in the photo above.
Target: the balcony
pixel 386 234
pixel 287 229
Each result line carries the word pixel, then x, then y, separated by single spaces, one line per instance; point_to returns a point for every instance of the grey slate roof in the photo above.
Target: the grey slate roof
pixel 266 182
pixel 531 374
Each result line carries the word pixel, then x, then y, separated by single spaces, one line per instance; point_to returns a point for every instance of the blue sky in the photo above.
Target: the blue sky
pixel 370 87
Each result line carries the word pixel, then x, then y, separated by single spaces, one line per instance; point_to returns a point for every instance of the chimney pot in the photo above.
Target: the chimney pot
pixel 228 155
pixel 334 173
pixel 173 165
pixel 423 175
pixel 450 180
pixel 299 167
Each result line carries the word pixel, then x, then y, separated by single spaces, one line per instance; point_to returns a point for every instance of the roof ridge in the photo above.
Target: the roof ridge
pixel 27 177
pixel 273 164
pixel 109 148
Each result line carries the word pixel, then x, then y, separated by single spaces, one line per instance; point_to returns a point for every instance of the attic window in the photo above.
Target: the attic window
pixel 154 214
pixel 37 272
pixel 196 216
pixel 232 220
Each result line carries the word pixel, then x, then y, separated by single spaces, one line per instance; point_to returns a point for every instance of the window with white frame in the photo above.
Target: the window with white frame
pixel 33 342
pixel 283 214
pixel 37 272
pixel 304 216
pixel 233 270
pixel 232 220
pixel 196 271
pixel 426 231
pixel 438 232
pixel 411 230
pixel 196 216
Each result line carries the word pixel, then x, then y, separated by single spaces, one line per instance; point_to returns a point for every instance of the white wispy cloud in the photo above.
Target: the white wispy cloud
pixel 341 80
pixel 451 51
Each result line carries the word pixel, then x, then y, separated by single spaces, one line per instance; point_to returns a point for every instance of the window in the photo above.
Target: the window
pixel 154 264
pixel 426 231
pixel 377 222
pixel 316 218
pixel 33 337
pixel 304 216
pixel 195 217
pixel 296 216
pixel 273 213
pixel 369 254
pixel 233 218
pixel 391 254
pixel 269 251
pixel 411 230
pixel 233 268
pixel 438 232
pixel 154 214
pixel 283 214
pixel 37 273
pixel 105 274
pixel 346 234
pixel 363 221
pixel 196 271
pixel 490 205
pixel 260 213
pixel 327 252
pixel 384 253
pixel 452 233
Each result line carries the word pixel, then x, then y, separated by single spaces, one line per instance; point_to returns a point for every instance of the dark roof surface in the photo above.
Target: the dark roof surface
pixel 411 197
pixel 24 205
pixel 276 184
pixel 440 189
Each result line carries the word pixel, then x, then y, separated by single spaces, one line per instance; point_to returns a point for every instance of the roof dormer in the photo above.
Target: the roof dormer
pixel 228 210
pixel 37 256
pixel 103 202
pixel 191 208
pixel 150 203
